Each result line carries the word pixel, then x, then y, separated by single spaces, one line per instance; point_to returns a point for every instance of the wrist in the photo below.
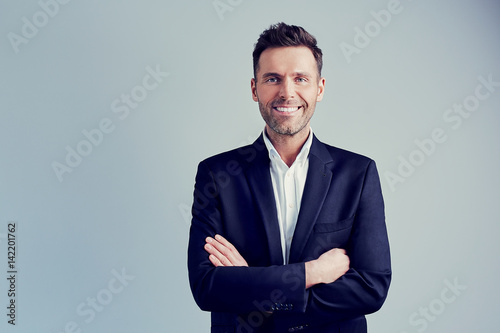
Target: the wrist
pixel 312 277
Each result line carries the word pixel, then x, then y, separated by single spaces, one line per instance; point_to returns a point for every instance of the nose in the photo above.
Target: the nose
pixel 286 89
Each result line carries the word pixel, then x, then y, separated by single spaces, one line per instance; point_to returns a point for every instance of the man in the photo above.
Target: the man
pixel 288 234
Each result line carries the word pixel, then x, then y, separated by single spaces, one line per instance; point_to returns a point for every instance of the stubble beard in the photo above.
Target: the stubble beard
pixel 281 127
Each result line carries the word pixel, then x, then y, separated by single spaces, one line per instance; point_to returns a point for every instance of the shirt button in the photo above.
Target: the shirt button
pixel 290 205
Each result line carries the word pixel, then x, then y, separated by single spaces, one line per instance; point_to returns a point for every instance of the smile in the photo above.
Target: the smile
pixel 286 109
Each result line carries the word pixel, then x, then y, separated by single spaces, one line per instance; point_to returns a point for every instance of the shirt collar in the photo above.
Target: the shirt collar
pixel 301 157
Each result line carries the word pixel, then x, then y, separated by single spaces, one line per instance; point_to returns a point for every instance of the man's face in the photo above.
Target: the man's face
pixel 287 88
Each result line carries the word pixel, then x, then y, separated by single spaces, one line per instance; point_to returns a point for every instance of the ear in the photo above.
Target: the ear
pixel 253 84
pixel 321 89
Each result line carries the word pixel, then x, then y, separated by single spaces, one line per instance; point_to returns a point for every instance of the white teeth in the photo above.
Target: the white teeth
pixel 287 109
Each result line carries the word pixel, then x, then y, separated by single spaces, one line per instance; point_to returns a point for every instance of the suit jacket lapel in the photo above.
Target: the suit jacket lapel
pixel 259 180
pixel 316 188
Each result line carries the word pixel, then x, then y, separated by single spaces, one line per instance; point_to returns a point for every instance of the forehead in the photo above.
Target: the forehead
pixel 288 59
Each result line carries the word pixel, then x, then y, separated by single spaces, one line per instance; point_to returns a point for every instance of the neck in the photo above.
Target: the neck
pixel 288 146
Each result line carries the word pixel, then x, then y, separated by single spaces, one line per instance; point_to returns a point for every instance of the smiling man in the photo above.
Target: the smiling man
pixel 288 234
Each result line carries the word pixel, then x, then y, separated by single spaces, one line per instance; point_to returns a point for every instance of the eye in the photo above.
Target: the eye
pixel 301 79
pixel 272 80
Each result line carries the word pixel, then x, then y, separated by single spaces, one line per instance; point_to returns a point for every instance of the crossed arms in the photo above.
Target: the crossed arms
pixel 339 284
pixel 326 269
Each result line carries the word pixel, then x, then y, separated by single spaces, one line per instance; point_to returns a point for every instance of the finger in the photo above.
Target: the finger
pixel 231 252
pixel 343 251
pixel 226 243
pixel 215 261
pixel 213 251
pixel 222 248
pixel 231 256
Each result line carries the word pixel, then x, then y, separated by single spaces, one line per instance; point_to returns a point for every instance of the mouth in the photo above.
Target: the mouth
pixel 286 109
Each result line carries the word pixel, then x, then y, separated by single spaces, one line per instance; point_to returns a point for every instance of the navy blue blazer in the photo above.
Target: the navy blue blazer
pixel 342 207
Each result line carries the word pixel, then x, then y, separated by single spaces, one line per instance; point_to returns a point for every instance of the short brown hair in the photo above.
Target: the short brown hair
pixel 281 34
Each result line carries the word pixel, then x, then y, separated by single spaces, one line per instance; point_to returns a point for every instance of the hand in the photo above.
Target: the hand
pixel 327 268
pixel 222 253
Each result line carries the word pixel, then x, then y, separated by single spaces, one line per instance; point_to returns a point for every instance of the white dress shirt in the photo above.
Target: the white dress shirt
pixel 288 185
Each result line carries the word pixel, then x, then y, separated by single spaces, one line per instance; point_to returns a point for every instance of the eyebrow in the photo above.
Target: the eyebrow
pixel 265 75
pixel 271 74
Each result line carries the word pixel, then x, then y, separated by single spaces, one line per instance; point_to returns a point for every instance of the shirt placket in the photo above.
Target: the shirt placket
pixel 290 207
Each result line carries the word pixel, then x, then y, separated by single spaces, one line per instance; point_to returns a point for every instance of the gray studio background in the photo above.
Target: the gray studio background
pixel 123 209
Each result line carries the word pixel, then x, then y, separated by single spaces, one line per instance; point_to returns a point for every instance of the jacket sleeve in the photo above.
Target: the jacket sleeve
pixel 360 291
pixel 363 289
pixel 234 289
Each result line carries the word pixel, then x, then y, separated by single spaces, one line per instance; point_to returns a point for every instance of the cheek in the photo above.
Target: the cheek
pixel 307 92
pixel 267 94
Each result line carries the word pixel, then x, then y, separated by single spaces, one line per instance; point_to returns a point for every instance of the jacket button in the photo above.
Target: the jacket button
pixel 297 328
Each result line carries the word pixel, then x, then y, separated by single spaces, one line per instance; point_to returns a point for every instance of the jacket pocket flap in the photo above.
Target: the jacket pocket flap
pixel 334 226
